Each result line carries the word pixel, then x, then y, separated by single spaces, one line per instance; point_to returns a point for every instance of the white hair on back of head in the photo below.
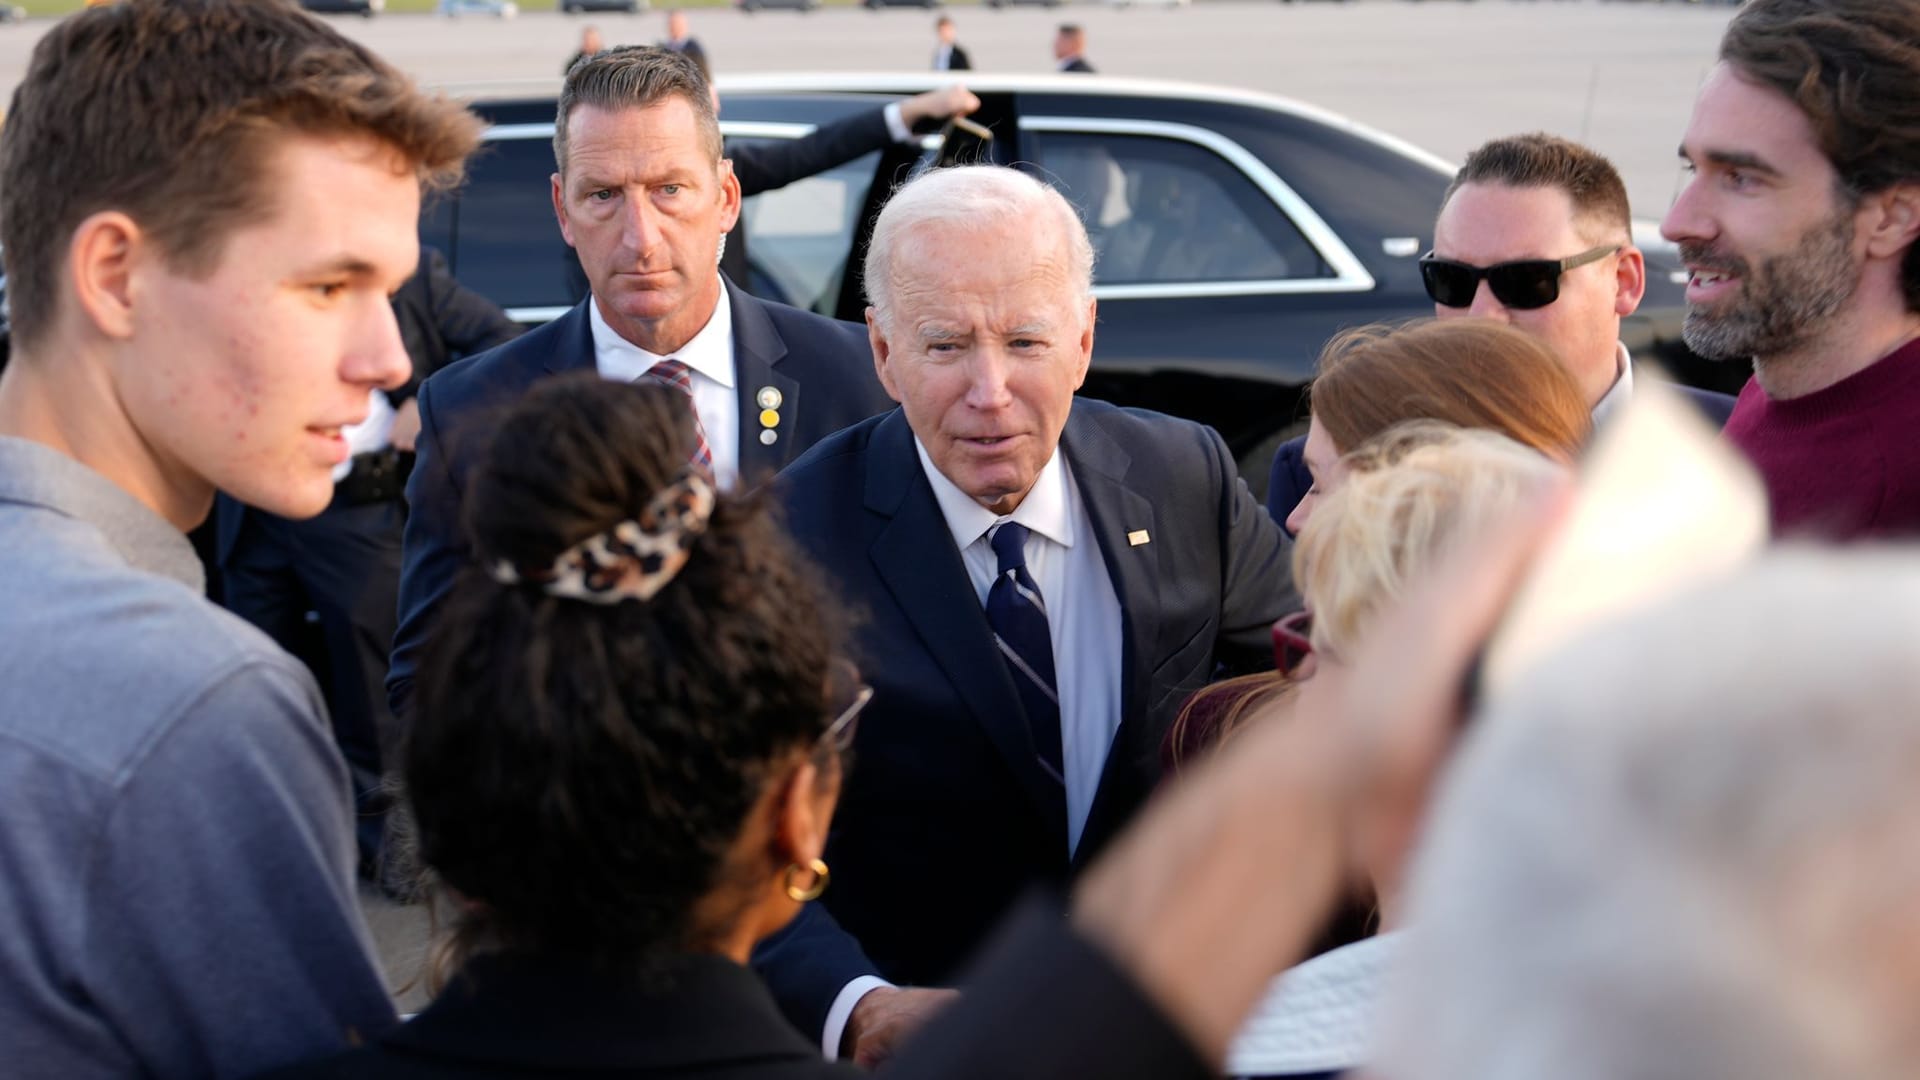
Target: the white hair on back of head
pixel 971 197
pixel 1687 844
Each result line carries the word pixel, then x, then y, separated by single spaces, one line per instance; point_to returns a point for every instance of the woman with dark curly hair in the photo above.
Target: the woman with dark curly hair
pixel 624 758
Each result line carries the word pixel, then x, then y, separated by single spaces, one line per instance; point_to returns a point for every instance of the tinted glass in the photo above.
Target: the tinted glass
pixel 1164 211
pixel 508 246
pixel 798 236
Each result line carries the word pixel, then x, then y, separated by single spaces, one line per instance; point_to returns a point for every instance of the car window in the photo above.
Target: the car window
pixel 508 244
pixel 1164 211
pixel 798 236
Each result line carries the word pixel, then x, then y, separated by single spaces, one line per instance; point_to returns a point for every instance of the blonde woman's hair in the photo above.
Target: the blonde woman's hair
pixel 1408 492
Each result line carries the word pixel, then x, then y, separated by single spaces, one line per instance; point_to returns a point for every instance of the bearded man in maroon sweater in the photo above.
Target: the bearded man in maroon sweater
pixel 1798 225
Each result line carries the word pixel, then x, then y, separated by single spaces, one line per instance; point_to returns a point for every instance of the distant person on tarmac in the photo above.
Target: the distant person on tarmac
pixel 590 43
pixel 1070 48
pixel 948 55
pixel 681 40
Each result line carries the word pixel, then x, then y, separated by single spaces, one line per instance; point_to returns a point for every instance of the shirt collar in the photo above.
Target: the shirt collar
pixel 1620 392
pixel 37 475
pixel 1044 510
pixel 710 352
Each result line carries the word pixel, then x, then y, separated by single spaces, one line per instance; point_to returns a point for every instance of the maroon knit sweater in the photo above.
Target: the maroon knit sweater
pixel 1841 463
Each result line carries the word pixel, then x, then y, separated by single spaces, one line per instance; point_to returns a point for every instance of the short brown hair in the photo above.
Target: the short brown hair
pixel 635 77
pixel 1542 160
pixel 1853 68
pixel 170 110
pixel 1472 373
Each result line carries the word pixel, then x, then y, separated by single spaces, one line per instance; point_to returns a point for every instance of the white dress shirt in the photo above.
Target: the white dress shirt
pixel 1083 612
pixel 373 433
pixel 709 360
pixel 1620 392
pixel 1083 619
pixel 943 58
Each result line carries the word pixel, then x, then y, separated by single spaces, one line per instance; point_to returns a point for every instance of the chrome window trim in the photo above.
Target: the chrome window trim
pixel 534 316
pixel 746 129
pixel 510 132
pixel 903 84
pixel 1349 274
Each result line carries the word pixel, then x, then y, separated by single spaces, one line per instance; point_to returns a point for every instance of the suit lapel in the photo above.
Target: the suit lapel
pixel 571 348
pixel 1115 512
pixel 916 560
pixel 757 347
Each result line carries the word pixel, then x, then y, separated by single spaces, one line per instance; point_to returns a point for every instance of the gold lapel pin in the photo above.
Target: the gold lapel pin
pixel 1138 537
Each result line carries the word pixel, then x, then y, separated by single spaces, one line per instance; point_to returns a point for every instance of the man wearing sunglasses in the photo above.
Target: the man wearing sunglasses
pixel 1799 226
pixel 1534 231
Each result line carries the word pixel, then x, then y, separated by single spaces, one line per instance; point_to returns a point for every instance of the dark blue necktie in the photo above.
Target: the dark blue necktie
pixel 1018 616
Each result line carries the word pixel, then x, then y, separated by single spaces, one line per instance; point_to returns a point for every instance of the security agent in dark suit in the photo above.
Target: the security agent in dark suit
pixel 344 565
pixel 1069 49
pixel 644 197
pixel 681 40
pixel 948 55
pixel 1044 581
pixel 1520 205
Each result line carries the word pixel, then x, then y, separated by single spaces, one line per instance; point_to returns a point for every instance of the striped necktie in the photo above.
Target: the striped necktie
pixel 1018 615
pixel 677 375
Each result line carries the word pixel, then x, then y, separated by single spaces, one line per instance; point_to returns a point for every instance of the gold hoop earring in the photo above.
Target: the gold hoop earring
pixel 810 892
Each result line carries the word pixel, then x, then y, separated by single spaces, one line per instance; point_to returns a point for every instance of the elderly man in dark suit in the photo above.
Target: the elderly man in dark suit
pixel 1043 580
pixel 643 195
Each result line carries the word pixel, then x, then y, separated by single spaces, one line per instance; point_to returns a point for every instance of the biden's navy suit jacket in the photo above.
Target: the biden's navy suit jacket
pixel 822 369
pixel 945 817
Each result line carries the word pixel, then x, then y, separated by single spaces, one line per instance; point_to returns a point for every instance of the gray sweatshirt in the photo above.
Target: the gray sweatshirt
pixel 176 856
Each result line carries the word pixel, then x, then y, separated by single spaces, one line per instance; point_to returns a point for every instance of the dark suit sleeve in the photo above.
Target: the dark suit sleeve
pixel 775 163
pixel 467 322
pixel 1289 481
pixel 959 61
pixel 1256 560
pixel 1046 1003
pixel 807 964
pixel 433 549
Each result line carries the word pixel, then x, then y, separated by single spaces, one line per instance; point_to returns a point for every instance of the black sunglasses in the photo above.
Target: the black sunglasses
pixel 1523 285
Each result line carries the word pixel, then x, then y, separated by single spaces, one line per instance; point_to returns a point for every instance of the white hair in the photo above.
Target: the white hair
pixel 1686 845
pixel 970 196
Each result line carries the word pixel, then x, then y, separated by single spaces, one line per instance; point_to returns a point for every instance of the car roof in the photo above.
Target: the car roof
pixel 913 82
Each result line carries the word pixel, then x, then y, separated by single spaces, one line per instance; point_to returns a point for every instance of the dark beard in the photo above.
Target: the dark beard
pixel 1785 305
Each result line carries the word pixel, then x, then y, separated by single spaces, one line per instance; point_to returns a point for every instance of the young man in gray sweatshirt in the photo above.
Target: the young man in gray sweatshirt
pixel 204 205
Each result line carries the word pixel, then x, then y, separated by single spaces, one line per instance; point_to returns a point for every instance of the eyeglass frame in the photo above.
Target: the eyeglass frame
pixel 1292 637
pixel 1557 267
pixel 840 733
